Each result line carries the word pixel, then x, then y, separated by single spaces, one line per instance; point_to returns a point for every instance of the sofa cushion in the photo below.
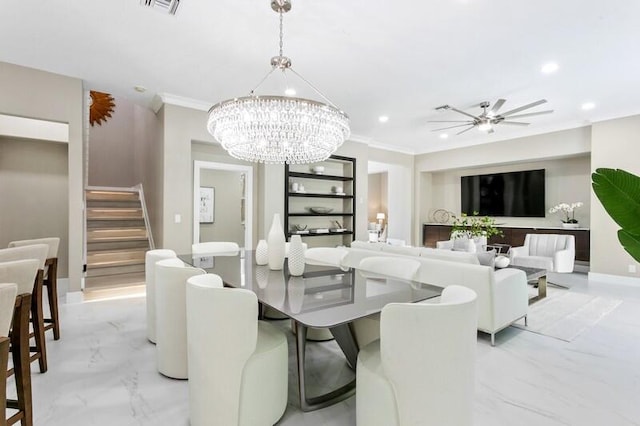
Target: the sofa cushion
pixel 452 256
pixel 405 250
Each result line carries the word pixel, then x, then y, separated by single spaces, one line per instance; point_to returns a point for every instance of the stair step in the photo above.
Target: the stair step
pixel 115 234
pixel 103 213
pixel 108 224
pixel 107 258
pixel 117 245
pixel 114 281
pixel 102 195
pixel 114 270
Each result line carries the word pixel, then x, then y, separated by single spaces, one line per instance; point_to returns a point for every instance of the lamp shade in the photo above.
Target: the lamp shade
pixel 380 216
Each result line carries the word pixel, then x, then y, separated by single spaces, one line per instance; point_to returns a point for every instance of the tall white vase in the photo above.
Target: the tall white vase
pixel 296 256
pixel 275 241
pixel 262 253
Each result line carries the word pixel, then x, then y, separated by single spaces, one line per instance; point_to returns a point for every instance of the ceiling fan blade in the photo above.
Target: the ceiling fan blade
pixel 453 127
pixel 464 113
pixel 522 108
pixel 494 111
pixel 465 130
pixel 450 121
pixel 531 114
pixel 514 123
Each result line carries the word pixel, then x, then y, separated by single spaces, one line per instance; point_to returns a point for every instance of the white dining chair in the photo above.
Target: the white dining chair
pixel 238 366
pixel 171 317
pixel 422 370
pixel 152 257
pixel 218 248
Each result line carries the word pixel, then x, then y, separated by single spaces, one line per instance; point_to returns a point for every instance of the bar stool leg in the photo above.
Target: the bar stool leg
pixel 52 292
pixel 21 362
pixel 4 358
pixel 37 318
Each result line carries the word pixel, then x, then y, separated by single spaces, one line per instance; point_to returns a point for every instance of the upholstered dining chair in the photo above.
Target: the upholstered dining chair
pixel 151 257
pixel 422 370
pixel 219 248
pixel 38 252
pixel 367 329
pixel 49 280
pixel 8 294
pixel 171 318
pixel 238 366
pixel 22 273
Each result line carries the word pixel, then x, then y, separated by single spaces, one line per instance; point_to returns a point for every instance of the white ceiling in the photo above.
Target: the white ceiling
pixel 370 57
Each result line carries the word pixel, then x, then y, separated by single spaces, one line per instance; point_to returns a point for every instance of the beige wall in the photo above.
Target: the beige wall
pixel 34 188
pixel 227 225
pixel 41 95
pixel 184 139
pixel 615 145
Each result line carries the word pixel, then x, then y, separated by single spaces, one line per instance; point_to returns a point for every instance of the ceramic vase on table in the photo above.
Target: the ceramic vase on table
pixel 276 243
pixel 262 253
pixel 296 256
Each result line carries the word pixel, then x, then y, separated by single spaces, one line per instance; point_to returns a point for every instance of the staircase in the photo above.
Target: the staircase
pixel 117 237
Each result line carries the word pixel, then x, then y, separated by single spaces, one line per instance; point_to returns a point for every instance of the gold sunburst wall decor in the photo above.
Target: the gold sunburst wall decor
pixel 102 105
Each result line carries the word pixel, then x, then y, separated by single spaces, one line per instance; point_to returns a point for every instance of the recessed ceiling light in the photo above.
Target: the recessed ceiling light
pixel 383 119
pixel 549 68
pixel 588 105
pixel 140 89
pixel 290 91
pixel 443 136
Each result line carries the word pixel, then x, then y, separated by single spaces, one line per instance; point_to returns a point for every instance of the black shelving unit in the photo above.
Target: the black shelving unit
pixel 339 169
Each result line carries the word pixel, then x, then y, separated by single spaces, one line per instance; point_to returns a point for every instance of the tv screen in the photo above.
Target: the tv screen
pixel 513 194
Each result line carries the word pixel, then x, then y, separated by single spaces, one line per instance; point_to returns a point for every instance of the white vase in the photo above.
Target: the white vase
pixel 262 253
pixel 296 256
pixel 276 241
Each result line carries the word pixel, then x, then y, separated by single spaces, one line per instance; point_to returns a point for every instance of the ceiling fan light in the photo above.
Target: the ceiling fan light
pixel 485 126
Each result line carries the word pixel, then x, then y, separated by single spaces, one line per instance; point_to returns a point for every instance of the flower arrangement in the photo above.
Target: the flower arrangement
pixel 567 208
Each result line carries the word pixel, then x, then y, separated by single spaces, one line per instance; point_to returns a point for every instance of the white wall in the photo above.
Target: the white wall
pixel 615 145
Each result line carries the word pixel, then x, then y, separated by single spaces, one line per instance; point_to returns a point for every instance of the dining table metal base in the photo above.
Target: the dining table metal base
pixel 346 341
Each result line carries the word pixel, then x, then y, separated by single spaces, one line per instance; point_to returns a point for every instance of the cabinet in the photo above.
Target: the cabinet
pixel 319 201
pixel 513 236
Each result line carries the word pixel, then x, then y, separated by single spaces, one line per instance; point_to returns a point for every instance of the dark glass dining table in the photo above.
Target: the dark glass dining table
pixel 323 297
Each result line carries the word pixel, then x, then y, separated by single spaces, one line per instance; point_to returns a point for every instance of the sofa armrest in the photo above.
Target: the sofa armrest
pixel 518 251
pixel 510 296
pixel 563 260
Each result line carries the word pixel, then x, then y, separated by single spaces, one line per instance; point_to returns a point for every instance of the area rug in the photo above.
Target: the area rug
pixel 565 314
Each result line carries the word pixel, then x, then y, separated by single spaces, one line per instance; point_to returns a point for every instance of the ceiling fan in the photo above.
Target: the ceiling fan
pixel 490 117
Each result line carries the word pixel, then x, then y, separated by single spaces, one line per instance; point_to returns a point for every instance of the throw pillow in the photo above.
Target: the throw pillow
pixel 487 258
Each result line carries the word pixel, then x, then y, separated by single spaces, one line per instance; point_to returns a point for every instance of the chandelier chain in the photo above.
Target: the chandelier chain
pixel 281 32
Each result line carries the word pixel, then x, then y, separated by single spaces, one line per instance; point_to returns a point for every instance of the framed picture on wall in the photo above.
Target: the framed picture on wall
pixel 207 204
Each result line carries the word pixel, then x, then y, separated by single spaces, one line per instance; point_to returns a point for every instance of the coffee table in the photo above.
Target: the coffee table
pixel 535 274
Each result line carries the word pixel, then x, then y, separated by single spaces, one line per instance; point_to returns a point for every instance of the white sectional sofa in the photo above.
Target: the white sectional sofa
pixel 502 294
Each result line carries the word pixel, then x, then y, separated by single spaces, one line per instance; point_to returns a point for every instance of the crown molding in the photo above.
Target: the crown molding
pixel 167 98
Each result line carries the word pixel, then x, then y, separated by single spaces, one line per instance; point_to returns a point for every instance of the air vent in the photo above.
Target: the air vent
pixel 166 6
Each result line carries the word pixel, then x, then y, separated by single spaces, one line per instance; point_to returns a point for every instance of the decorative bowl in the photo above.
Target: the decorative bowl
pixel 320 210
pixel 502 262
pixel 318 170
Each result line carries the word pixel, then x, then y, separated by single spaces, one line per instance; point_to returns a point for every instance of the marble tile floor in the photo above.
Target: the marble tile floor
pixel 102 372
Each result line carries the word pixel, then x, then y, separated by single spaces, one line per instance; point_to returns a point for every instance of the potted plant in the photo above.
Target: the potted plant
pixel 569 211
pixel 478 228
pixel 619 193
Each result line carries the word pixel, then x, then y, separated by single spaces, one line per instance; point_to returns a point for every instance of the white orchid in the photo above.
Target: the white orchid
pixel 567 208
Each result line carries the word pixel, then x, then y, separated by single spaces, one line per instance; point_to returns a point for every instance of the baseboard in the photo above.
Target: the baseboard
pixel 614 279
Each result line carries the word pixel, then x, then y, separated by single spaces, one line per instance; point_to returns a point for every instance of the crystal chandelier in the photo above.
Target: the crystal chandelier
pixel 279 129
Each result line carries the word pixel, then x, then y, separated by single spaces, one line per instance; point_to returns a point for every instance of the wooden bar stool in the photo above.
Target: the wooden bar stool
pixel 22 273
pixel 39 253
pixel 50 281
pixel 7 302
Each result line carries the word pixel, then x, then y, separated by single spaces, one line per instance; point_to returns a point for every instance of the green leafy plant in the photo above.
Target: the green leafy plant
pixel 619 193
pixel 474 226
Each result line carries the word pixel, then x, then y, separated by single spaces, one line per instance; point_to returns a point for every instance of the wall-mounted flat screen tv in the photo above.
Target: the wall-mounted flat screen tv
pixel 513 194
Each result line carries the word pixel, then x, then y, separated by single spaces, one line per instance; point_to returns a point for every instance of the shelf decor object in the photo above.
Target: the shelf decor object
pixel 276 128
pixel 262 253
pixel 295 261
pixel 276 241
